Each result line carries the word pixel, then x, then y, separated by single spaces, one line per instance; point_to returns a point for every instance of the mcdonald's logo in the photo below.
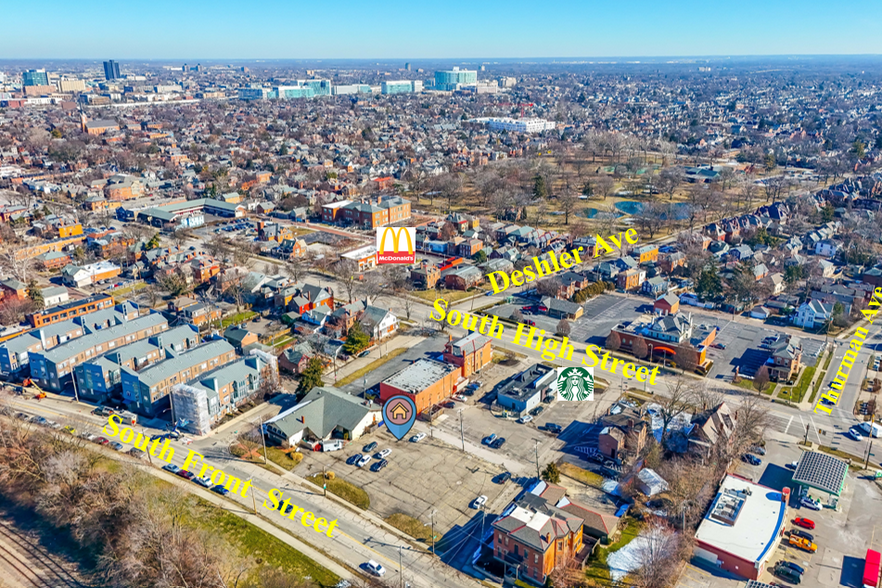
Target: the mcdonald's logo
pixel 397 254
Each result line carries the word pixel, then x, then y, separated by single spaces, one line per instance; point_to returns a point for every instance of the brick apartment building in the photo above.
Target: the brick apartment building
pixel 425 381
pixel 70 309
pixel 471 353
pixel 368 213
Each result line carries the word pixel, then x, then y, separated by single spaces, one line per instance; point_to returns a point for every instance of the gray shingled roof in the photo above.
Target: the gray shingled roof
pixel 321 411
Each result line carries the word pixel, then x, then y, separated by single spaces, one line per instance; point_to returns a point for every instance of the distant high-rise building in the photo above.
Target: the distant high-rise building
pixel 407 66
pixel 35 77
pixel 111 70
pixel 400 87
pixel 452 79
pixel 2 78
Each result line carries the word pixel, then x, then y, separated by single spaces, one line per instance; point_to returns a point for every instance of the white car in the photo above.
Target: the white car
pixel 809 503
pixel 479 501
pixel 418 437
pixel 853 433
pixel 525 419
pixel 459 397
pixel 365 459
pixel 375 568
pixel 383 454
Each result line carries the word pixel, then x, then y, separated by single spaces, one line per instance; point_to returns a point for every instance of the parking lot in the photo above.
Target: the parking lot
pixel 420 478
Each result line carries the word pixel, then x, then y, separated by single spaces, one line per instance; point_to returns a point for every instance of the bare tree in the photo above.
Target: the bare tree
pixel 761 379
pixel 660 554
pixel 676 402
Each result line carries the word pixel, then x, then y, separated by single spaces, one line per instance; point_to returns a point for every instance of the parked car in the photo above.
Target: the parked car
pixel 718 345
pixel 787 574
pixel 796 568
pixel 751 459
pixel 365 459
pixel 379 465
pixel 449 404
pixel 854 434
pixel 71 430
pixel 553 428
pixel 171 468
pixel 205 482
pixel 102 441
pixel 479 501
pixel 418 437
pixel 758 450
pixel 537 411
pixel 383 454
pixel 498 443
pixel 804 523
pixel 525 419
pixel 375 568
pixel 801 533
pixel 136 453
pixel 354 459
pixel 489 439
pixel 503 478
pixel 187 475
pixel 117 446
pixel 809 503
pixel 803 543
pixel 459 397
pixel 219 489
pixel 370 447
pixel 792 465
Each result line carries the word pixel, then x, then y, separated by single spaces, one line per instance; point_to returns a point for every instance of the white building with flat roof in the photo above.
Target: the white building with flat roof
pixel 516 125
pixel 742 527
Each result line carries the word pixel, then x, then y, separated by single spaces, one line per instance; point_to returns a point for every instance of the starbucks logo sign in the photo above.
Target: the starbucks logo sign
pixel 575 383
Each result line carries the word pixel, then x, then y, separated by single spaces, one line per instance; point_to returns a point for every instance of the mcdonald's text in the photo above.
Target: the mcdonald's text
pixel 397 254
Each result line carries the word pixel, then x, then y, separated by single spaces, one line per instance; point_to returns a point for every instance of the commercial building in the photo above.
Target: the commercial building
pixel 453 79
pixel 53 368
pixel 349 89
pixel 324 413
pixel 147 391
pixel 402 87
pixel 35 77
pixel 368 213
pixel 526 390
pixel 516 125
pixel 189 214
pixel 111 70
pixel 69 85
pixel 821 472
pixel 70 310
pixel 742 528
pixel 204 401
pixel 425 381
pixel 668 335
pixel 100 378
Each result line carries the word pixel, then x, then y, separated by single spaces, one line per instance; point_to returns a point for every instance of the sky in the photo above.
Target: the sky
pixel 413 29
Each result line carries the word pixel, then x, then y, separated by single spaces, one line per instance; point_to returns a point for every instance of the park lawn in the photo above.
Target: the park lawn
pixel 239 317
pixel 597 569
pixel 797 393
pixel 370 367
pixel 345 490
pixel 284 459
pixel 120 292
pixel 259 545
pixel 585 476
pixel 413 527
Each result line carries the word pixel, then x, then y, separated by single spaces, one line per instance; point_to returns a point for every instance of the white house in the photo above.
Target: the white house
pixel 813 314
pixel 826 248
pixel 379 322
pixel 54 295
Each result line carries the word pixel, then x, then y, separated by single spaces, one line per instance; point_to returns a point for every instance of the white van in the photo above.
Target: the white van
pixel 335 445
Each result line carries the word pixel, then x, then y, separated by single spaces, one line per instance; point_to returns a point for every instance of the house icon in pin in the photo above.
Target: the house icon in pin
pixel 399 411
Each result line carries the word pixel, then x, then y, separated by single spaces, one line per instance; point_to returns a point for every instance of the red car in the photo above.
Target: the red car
pixel 186 474
pixel 804 523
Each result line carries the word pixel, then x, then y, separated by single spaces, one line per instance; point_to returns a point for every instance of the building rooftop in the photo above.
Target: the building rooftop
pixel 322 410
pixel 420 375
pixel 821 471
pixel 173 365
pixel 745 519
pixel 79 345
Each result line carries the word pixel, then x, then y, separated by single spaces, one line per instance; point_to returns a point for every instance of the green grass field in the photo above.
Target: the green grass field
pixel 345 490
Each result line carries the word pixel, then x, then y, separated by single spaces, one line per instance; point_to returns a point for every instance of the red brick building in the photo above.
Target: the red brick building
pixel 471 353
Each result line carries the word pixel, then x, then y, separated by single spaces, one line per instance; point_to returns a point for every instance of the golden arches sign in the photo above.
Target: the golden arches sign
pixel 396 236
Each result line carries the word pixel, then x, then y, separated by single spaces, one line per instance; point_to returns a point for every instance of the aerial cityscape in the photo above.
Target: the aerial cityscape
pixel 359 308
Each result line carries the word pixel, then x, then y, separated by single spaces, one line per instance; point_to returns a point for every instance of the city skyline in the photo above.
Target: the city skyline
pixel 222 30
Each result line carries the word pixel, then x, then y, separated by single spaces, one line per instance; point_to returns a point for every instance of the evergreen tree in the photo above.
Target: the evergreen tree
pixel 356 340
pixel 551 474
pixel 709 282
pixel 540 190
pixel 36 295
pixel 154 242
pixel 311 376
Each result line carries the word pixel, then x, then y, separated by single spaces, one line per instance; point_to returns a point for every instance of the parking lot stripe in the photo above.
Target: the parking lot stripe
pixel 788 424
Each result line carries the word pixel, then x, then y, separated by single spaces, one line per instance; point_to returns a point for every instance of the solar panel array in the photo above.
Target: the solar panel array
pixel 821 471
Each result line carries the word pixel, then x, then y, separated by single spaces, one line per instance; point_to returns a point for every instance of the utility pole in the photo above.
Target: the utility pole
pixel 461 430
pixel 537 459
pixel 400 570
pixel 150 457
pixel 870 442
pixel 432 516
pixel 73 378
pixel 253 501
pixel 262 439
pixel 324 482
pixel 805 441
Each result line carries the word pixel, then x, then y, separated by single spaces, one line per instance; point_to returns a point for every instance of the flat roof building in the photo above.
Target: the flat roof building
pixel 742 527
pixel 425 381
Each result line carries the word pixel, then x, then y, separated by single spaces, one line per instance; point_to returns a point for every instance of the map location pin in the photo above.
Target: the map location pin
pixel 399 414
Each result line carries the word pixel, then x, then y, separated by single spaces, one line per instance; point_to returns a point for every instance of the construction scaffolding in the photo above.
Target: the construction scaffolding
pixel 191 408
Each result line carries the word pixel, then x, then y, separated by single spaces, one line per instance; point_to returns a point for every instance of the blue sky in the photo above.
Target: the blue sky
pixel 411 29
